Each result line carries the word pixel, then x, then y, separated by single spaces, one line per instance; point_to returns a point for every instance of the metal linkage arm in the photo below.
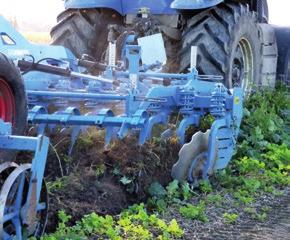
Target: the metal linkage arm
pixel 65 72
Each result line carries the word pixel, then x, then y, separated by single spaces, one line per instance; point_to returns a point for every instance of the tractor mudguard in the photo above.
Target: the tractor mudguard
pixel 124 6
pixel 194 4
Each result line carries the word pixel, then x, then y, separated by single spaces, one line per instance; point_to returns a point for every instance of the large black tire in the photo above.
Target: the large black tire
pixel 84 31
pixel 223 35
pixel 283 42
pixel 10 74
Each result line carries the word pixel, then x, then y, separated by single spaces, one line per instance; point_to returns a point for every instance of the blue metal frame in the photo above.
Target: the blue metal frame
pixel 19 214
pixel 147 103
pixel 18 47
pixel 188 95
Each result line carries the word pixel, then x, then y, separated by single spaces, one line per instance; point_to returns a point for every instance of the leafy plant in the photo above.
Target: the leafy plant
pixel 263 122
pixel 125 180
pixel 205 187
pixel 100 170
pixel 57 184
pixel 194 212
pixel 215 199
pixel 173 190
pixel 243 196
pixel 230 218
pixel 133 223
pixel 255 215
pixel 157 190
pixel 186 190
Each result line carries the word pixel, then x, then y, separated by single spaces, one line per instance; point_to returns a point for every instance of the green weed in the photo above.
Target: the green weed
pixel 194 212
pixel 230 218
pixel 133 223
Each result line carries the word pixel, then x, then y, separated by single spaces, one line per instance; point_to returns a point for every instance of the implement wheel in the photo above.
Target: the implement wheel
pixel 20 216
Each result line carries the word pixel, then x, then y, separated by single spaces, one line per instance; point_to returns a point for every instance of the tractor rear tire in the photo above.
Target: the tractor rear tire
pixel 12 80
pixel 84 31
pixel 229 44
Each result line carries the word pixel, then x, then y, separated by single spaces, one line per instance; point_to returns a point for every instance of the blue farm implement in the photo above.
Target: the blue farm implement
pixel 146 104
pixel 148 97
pixel 16 47
pixel 235 47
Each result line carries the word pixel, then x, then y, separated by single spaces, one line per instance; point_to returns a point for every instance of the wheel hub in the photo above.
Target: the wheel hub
pixel 195 173
pixel 243 66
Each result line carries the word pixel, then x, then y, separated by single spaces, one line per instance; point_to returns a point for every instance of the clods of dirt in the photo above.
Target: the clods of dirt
pixel 101 180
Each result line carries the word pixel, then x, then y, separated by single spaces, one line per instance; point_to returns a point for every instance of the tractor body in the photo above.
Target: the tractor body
pixel 125 7
pixel 231 35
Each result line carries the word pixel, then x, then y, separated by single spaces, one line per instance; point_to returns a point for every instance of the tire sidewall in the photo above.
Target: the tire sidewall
pixel 9 72
pixel 13 77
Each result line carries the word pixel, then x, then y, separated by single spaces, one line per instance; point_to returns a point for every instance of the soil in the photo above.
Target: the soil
pixel 90 180
pixel 275 226
pixel 104 181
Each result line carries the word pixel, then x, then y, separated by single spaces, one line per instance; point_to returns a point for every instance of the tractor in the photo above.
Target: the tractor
pixel 233 37
pixel 236 48
pixel 149 98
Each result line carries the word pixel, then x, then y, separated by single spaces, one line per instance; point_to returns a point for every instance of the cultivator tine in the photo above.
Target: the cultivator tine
pixel 184 124
pixel 145 133
pixel 168 133
pixel 188 154
pixel 74 135
pixel 33 112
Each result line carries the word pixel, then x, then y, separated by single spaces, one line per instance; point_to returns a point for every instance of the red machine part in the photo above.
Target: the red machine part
pixel 7 102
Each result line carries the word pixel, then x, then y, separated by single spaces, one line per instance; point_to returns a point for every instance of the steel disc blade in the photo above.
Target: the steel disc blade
pixel 188 152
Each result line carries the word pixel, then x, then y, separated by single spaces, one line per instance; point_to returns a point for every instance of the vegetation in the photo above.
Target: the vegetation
pixel 261 166
pixel 230 218
pixel 194 212
pixel 133 223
